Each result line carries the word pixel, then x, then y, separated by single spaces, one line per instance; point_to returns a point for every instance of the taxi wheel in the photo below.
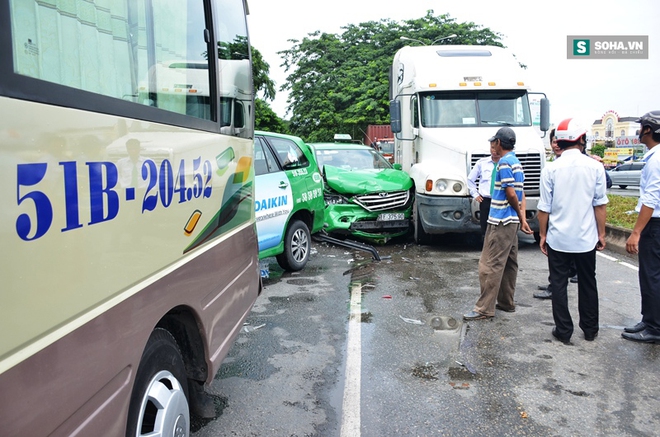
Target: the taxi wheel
pixel 297 244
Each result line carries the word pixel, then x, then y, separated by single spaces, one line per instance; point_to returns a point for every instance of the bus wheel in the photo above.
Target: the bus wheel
pixel 297 244
pixel 159 402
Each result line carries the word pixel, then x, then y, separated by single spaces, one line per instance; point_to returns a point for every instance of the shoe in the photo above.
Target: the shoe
pixel 473 315
pixel 508 310
pixel 590 337
pixel 563 340
pixel 543 287
pixel 574 279
pixel 642 336
pixel 636 328
pixel 543 295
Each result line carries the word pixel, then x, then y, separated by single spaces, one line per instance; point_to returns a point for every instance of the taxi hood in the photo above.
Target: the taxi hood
pixel 358 182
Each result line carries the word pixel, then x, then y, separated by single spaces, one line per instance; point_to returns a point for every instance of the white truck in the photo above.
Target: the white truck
pixel 446 101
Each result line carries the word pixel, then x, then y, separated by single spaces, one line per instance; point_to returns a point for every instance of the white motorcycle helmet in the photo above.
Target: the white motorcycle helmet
pixel 570 130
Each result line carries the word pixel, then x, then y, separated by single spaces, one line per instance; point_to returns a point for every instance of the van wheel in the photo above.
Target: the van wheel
pixel 420 236
pixel 297 244
pixel 159 402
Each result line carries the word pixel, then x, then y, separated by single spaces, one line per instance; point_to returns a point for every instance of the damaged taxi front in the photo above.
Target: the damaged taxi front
pixel 365 196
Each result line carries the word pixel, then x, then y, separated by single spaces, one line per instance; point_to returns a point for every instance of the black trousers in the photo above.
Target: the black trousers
pixel 649 275
pixel 572 272
pixel 484 210
pixel 560 266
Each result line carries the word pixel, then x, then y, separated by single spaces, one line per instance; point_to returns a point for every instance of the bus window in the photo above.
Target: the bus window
pixel 235 87
pixel 111 50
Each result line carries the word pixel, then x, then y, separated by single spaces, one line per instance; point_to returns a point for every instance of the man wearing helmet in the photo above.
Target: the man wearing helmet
pixel 546 291
pixel 645 237
pixel 572 214
pixel 498 265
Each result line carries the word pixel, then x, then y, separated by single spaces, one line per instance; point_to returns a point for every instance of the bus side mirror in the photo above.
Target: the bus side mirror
pixel 545 114
pixel 395 116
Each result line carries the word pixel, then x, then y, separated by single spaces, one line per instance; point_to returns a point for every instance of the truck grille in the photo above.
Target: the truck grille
pixel 531 163
pixel 383 201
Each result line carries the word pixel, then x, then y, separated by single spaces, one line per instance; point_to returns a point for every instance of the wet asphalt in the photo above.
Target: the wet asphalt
pixel 423 371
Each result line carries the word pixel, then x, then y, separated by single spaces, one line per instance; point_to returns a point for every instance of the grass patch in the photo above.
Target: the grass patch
pixel 617 211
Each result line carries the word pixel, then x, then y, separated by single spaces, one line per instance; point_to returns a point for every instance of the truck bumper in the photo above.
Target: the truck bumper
pixel 440 215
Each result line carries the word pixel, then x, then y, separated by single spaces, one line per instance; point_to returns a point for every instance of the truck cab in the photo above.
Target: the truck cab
pixel 446 102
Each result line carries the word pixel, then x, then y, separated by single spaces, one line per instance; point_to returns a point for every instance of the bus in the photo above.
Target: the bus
pixel 129 256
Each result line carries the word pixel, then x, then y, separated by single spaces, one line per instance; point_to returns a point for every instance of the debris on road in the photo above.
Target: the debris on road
pixel 411 321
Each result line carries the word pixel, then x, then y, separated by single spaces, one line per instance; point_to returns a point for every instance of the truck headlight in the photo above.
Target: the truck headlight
pixel 441 185
pixel 457 187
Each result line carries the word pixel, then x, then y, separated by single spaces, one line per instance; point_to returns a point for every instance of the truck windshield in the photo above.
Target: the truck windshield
pixel 488 108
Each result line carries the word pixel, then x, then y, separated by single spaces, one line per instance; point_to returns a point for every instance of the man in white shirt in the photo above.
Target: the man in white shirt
pixel 645 237
pixel 482 193
pixel 546 292
pixel 572 214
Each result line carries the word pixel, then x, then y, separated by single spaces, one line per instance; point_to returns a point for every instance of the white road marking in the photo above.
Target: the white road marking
pixel 611 258
pixel 623 263
pixel 350 423
pixel 630 266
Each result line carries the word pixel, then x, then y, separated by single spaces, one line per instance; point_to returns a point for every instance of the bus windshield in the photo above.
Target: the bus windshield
pixel 488 108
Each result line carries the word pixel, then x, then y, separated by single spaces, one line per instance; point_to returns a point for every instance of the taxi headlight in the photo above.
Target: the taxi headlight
pixel 334 199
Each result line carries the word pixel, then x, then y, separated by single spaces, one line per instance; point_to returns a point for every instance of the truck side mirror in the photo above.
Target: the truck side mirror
pixel 395 116
pixel 545 114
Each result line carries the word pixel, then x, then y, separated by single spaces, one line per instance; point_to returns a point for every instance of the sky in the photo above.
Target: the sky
pixel 583 89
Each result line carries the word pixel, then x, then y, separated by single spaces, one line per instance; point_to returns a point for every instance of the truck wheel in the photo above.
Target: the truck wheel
pixel 420 236
pixel 159 402
pixel 297 244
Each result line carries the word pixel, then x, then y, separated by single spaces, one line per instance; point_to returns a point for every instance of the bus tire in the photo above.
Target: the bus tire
pixel 159 402
pixel 297 245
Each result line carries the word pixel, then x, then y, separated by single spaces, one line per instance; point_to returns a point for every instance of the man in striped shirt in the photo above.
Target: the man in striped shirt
pixel 498 266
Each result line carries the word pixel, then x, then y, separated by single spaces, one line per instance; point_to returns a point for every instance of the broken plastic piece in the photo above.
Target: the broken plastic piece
pixel 411 321
pixel 387 296
pixel 246 329
pixel 468 366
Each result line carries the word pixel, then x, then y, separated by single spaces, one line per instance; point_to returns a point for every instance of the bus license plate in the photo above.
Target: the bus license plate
pixel 390 216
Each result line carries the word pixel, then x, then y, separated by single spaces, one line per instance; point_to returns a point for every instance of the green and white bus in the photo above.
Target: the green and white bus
pixel 129 255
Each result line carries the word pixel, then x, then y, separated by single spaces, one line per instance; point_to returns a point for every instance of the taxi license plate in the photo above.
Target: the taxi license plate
pixel 390 216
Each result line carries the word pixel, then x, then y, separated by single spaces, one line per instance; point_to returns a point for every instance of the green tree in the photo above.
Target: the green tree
pixel 260 71
pixel 264 116
pixel 340 83
pixel 598 149
pixel 266 119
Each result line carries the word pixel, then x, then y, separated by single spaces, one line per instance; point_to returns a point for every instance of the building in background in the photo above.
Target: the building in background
pixel 619 137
